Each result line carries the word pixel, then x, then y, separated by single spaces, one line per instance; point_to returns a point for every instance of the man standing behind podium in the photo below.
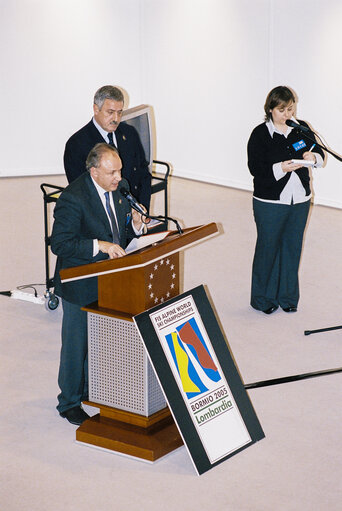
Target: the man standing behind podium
pixel 105 127
pixel 93 221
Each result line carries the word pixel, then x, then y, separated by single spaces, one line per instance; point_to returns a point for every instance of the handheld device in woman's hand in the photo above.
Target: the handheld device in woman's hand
pixel 304 163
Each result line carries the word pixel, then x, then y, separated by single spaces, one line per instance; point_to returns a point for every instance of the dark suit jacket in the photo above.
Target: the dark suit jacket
pixel 134 165
pixel 79 219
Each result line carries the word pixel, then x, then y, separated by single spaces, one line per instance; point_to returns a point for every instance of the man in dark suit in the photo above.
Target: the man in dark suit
pixel 93 221
pixel 105 127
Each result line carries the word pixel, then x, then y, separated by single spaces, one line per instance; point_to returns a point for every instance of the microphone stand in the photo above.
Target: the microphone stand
pixel 134 204
pixel 295 377
pixel 339 158
pixel 160 217
pixel 308 332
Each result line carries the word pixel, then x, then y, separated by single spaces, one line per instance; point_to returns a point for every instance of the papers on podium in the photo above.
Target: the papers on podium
pixel 145 241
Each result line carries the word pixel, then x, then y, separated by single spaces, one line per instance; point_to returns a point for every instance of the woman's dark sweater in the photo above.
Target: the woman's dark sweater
pixel 263 151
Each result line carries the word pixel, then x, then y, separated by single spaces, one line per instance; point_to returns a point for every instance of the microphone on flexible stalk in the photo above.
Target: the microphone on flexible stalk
pixel 294 124
pixel 135 205
pixel 133 201
pixel 311 135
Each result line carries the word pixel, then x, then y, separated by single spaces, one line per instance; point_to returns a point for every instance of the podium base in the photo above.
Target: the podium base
pixel 147 438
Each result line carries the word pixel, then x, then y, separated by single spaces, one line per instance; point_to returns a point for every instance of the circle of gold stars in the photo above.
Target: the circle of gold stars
pixel 173 275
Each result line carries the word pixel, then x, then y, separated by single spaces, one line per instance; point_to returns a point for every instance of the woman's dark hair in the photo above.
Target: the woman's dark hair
pixel 278 96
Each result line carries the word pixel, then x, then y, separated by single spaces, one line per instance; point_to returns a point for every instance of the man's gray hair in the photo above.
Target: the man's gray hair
pixel 96 153
pixel 107 92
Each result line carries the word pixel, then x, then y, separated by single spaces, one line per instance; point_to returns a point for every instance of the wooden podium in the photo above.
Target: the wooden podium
pixel 134 418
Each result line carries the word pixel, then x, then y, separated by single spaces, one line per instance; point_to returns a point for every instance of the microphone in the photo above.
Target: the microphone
pixel 293 124
pixel 133 201
pixel 135 205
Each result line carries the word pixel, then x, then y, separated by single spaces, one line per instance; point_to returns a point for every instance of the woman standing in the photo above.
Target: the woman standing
pixel 281 201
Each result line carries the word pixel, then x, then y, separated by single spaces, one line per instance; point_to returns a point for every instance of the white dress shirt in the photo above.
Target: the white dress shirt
pixel 101 193
pixel 104 133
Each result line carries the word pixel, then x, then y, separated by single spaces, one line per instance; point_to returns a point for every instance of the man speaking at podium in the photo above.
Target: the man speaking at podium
pixel 93 221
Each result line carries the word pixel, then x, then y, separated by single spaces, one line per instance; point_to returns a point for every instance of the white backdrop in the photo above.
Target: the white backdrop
pixel 205 66
pixel 54 55
pixel 212 63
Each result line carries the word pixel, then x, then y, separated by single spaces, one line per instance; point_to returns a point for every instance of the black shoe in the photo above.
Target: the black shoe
pixel 290 309
pixel 271 309
pixel 75 415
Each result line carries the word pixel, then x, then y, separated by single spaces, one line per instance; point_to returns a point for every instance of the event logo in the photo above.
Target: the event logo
pixel 201 382
pixel 195 366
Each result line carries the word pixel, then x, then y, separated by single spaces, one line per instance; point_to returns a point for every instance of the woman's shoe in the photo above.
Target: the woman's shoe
pixel 271 309
pixel 290 309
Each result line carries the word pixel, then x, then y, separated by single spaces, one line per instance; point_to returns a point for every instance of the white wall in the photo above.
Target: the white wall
pixel 54 56
pixel 205 66
pixel 206 76
pixel 311 62
pixel 211 64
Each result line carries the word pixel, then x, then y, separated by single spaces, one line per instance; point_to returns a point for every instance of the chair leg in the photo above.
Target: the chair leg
pixel 166 204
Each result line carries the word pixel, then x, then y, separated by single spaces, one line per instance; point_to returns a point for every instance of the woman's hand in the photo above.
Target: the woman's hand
pixel 310 156
pixel 288 166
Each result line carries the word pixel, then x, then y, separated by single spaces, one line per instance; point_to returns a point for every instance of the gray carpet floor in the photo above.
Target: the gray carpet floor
pixel 298 466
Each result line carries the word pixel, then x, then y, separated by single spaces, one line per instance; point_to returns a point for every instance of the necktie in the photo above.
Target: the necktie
pixel 115 230
pixel 110 138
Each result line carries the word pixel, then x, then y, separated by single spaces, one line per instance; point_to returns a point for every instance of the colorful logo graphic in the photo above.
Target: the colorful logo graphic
pixel 196 368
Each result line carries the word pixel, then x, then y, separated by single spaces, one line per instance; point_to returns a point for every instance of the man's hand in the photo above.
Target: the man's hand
pixel 111 249
pixel 137 221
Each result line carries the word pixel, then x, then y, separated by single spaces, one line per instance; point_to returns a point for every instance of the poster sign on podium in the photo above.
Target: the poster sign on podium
pixel 199 378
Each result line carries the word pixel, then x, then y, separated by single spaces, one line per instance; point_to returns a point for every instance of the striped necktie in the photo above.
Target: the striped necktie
pixel 115 231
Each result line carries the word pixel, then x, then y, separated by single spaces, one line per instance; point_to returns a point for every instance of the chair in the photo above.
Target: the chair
pixel 159 184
